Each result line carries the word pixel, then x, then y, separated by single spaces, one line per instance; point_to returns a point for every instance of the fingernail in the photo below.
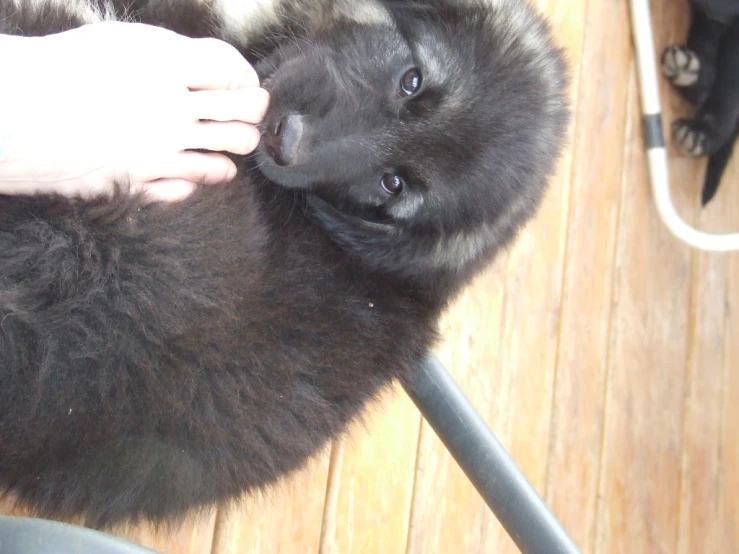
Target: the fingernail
pixel 248 78
pixel 255 139
pixel 231 173
pixel 265 98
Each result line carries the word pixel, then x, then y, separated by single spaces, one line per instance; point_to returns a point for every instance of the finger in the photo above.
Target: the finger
pixel 232 136
pixel 193 167
pixel 168 190
pixel 214 64
pixel 248 105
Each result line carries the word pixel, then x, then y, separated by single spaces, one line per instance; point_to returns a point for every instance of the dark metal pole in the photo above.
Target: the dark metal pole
pixel 513 500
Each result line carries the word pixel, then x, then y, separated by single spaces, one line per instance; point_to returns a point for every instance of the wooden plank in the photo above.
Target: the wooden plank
pixel 699 510
pixel 728 486
pixel 374 476
pixel 532 302
pixel 283 520
pixel 699 506
pixel 448 514
pixel 330 506
pixel 574 456
pixel 640 480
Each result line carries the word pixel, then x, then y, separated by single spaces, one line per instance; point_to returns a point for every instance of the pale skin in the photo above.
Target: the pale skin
pixel 124 103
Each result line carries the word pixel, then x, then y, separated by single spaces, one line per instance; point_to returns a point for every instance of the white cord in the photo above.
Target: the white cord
pixel 656 155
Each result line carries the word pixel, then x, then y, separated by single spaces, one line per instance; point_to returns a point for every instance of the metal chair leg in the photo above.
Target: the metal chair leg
pixel 513 500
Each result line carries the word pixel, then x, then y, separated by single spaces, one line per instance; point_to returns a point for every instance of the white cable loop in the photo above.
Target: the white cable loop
pixel 657 156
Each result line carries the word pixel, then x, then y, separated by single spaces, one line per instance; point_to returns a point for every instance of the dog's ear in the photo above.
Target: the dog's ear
pixel 393 250
pixel 378 245
pixel 351 232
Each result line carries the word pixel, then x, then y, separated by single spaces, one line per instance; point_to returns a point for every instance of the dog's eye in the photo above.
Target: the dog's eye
pixel 410 82
pixel 392 184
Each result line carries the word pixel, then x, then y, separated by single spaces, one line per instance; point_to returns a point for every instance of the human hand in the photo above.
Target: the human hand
pixel 124 103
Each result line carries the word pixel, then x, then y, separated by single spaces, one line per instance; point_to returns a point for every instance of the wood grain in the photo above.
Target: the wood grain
pixel 374 476
pixel 532 303
pixel 283 520
pixel 640 469
pixel 700 517
pixel 728 486
pixel 584 327
pixel 448 514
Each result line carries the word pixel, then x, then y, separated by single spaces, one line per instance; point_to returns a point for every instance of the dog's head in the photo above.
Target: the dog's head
pixel 425 133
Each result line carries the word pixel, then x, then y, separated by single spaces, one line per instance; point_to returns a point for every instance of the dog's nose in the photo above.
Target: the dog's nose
pixel 283 138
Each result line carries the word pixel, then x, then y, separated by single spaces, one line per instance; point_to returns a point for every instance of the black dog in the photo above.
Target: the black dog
pixel 706 73
pixel 158 358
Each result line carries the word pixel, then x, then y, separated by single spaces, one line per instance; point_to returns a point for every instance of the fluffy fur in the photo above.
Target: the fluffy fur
pixel 706 73
pixel 160 358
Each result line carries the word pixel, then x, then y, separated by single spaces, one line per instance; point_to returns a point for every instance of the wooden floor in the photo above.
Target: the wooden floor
pixel 602 352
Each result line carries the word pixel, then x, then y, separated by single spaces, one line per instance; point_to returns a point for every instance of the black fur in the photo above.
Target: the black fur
pixel 160 358
pixel 706 73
